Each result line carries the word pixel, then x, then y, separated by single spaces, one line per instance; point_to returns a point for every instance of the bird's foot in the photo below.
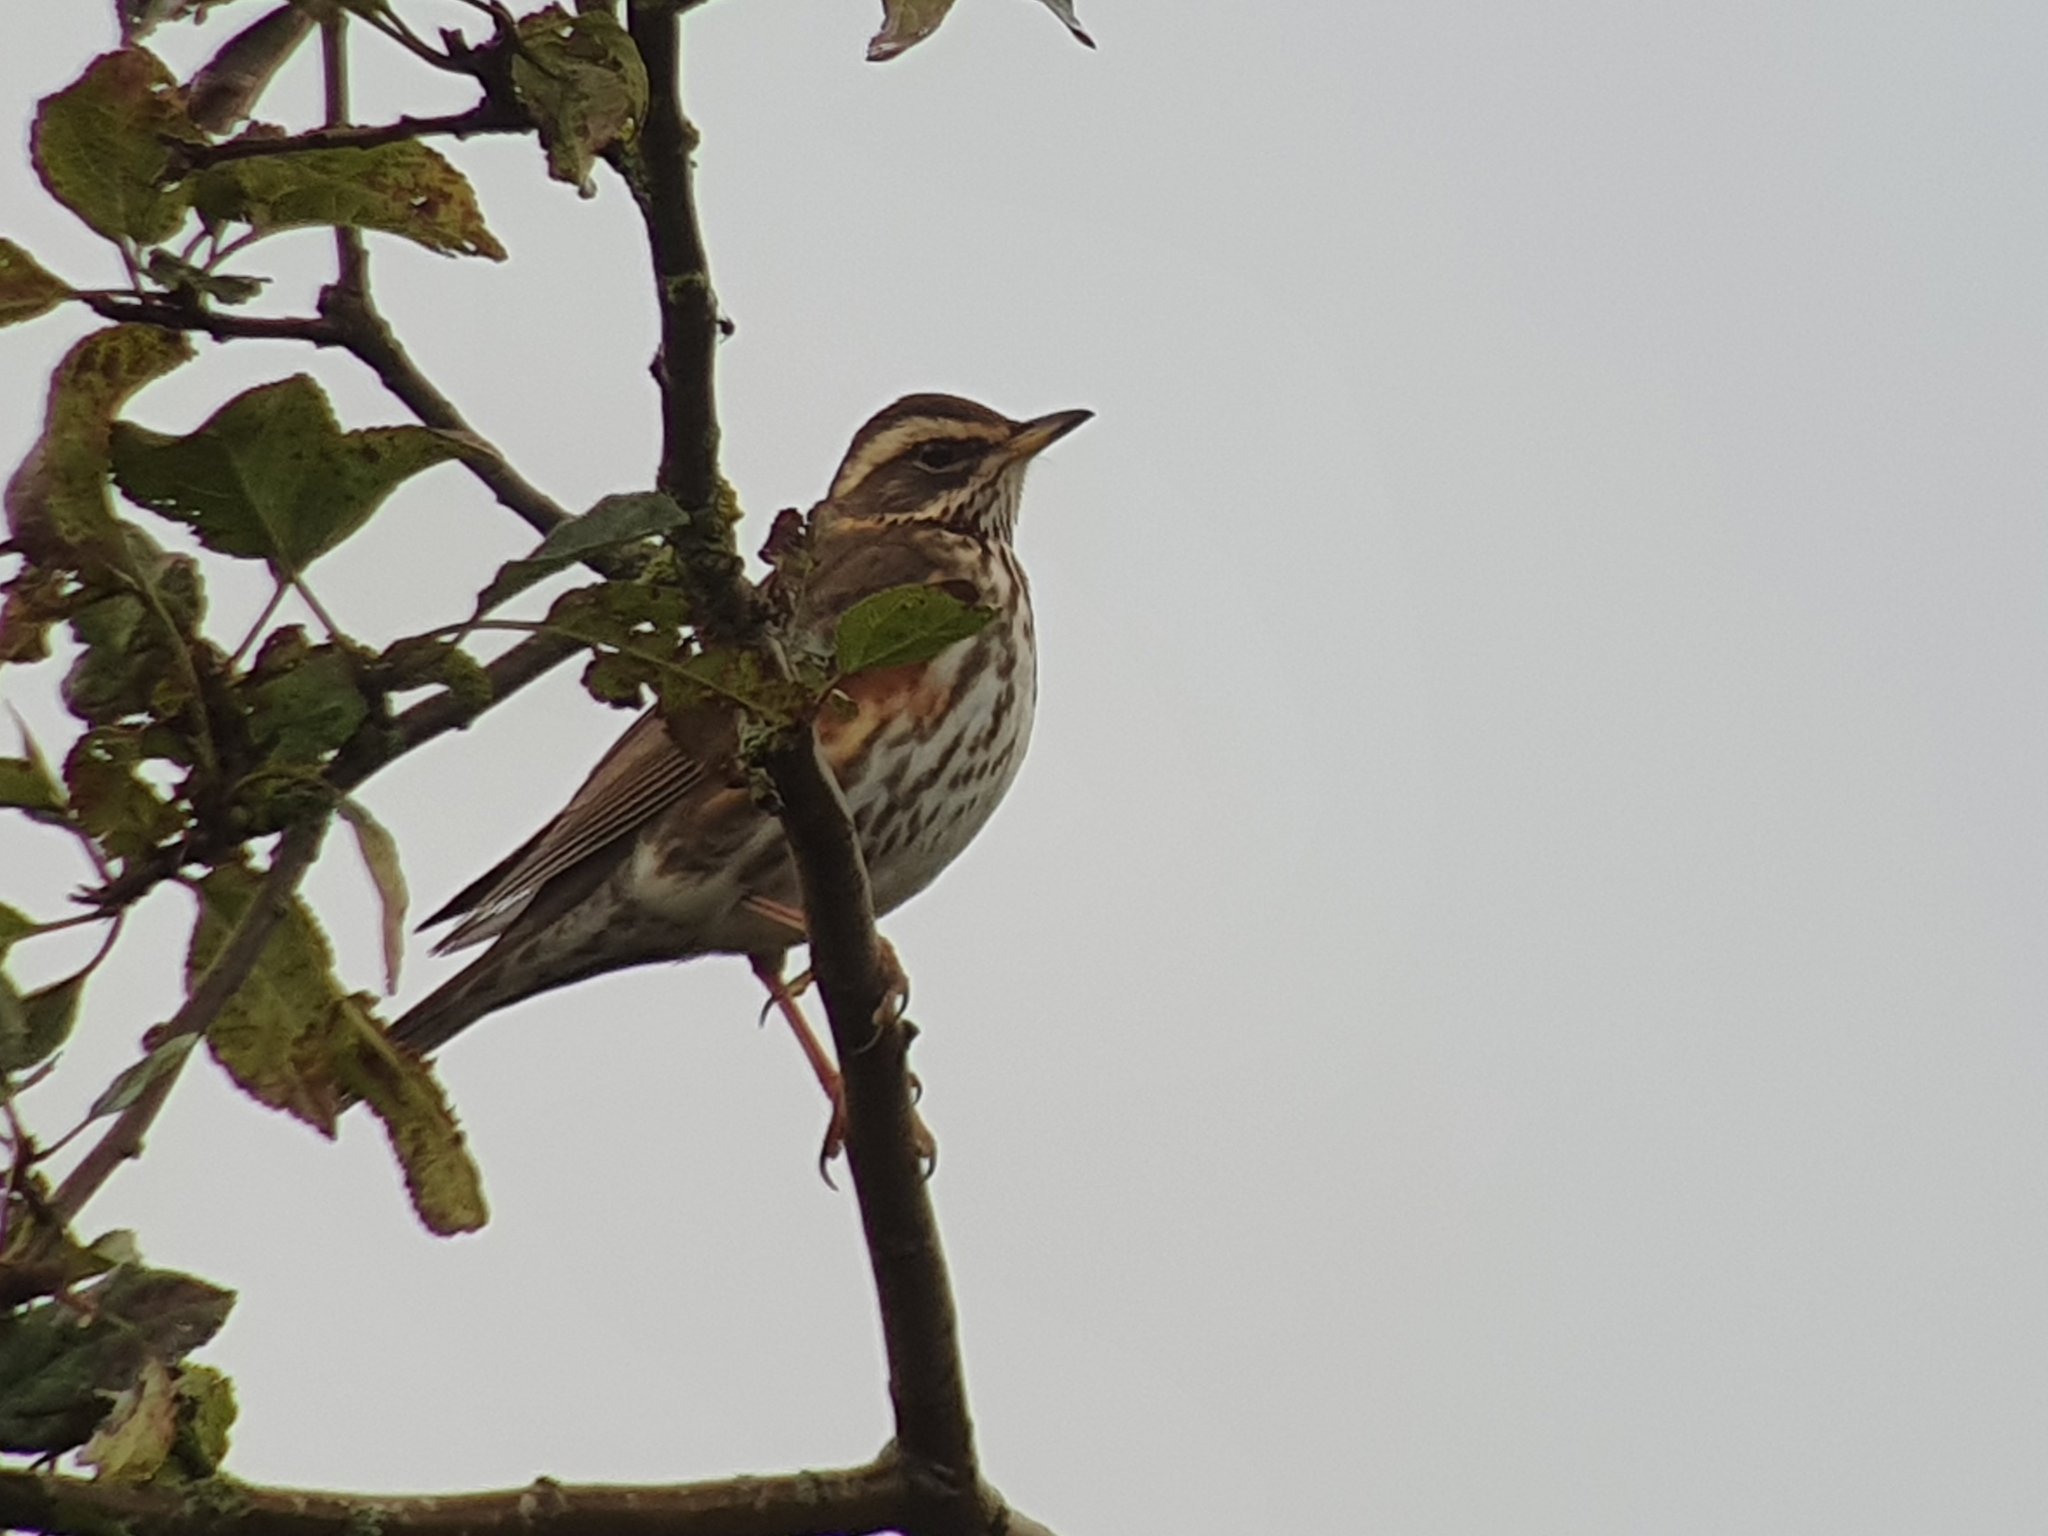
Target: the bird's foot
pixel 922 1141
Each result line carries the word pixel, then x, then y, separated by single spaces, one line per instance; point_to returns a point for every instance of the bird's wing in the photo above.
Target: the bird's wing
pixel 856 559
pixel 646 772
pixel 643 774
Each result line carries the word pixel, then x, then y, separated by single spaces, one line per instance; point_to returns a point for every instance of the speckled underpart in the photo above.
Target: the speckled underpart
pixel 662 855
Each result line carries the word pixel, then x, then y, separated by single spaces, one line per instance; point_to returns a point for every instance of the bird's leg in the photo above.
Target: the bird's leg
pixel 895 979
pixel 782 996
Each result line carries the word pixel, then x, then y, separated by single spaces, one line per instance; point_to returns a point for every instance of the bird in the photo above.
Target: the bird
pixel 663 853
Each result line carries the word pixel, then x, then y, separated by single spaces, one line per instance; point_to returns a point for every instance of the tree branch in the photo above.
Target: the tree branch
pixel 934 1434
pixel 927 1384
pixel 657 169
pixel 850 1501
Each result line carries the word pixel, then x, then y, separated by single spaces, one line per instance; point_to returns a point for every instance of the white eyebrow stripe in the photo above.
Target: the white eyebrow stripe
pixel 890 442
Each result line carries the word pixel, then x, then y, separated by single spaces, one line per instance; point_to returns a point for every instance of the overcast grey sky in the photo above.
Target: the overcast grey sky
pixel 1509 995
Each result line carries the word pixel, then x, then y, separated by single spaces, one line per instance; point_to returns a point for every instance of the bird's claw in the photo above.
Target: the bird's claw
pixel 922 1141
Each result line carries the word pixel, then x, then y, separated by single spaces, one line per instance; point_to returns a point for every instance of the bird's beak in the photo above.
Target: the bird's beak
pixel 1041 432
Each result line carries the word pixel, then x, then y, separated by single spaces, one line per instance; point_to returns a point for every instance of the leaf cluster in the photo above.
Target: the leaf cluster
pixel 192 747
pixel 101 1368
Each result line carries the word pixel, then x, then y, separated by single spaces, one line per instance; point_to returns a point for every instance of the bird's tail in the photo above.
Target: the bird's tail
pixel 452 1007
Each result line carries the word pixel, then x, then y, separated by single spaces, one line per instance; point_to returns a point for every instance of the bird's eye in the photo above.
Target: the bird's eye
pixel 945 453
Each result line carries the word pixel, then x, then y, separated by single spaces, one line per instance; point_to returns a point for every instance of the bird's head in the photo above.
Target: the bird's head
pixel 940 459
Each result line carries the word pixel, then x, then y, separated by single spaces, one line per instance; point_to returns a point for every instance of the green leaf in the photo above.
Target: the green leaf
pixel 611 521
pixel 584 85
pixel 734 677
pixel 639 625
pixel 271 475
pixel 301 714
pixel 13 1023
pixel 27 785
pixel 57 506
pixel 132 1081
pixel 903 626
pixel 26 290
pixel 110 801
pixel 100 146
pixel 40 1257
pixel 36 599
pixel 281 1034
pixel 442 1179
pixel 427 661
pixel 14 925
pixel 41 1025
pixel 177 275
pixel 61 1360
pixel 206 1412
pixel 380 857
pixel 615 678
pixel 402 189
pixel 137 657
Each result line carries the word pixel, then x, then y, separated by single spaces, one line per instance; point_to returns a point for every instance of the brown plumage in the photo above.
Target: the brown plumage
pixel 662 854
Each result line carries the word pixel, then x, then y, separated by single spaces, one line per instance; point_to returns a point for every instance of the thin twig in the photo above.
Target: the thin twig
pixel 387 21
pixel 363 330
pixel 175 315
pixel 485 117
pixel 351 256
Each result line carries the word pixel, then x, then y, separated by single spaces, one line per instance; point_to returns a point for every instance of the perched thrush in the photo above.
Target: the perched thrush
pixel 663 854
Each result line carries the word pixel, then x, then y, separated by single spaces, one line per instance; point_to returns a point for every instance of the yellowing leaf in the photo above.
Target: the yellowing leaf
pixel 292 1039
pixel 271 475
pixel 906 23
pixel 60 1361
pixel 584 85
pixel 281 1034
pixel 57 506
pixel 206 1412
pixel 402 189
pixel 134 1440
pixel 447 1191
pixel 99 146
pixel 380 857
